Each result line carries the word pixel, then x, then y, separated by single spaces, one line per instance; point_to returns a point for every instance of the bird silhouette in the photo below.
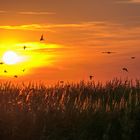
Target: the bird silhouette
pixel 5 71
pixel 108 52
pixel 15 76
pixel 90 77
pixel 132 57
pixel 61 82
pixel 125 69
pixel 42 38
pixel 23 70
pixel 24 47
pixel 1 63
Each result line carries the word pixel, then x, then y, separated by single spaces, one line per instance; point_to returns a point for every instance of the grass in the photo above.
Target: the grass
pixel 81 111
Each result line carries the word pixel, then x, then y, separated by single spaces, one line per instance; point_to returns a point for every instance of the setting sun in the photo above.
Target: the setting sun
pixel 70 69
pixel 10 58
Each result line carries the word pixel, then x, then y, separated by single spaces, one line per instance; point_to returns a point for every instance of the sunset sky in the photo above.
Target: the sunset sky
pixel 76 32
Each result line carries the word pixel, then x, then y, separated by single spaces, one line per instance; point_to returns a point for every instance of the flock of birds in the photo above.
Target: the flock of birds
pixel 90 77
pixel 24 47
pixel 109 52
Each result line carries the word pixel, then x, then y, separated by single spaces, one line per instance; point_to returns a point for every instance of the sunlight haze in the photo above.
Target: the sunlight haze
pixel 76 35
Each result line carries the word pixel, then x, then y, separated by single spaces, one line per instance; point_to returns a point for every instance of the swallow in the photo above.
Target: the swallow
pixel 125 69
pixel 5 71
pixel 1 63
pixel 15 76
pixel 108 52
pixel 90 77
pixel 132 57
pixel 61 82
pixel 24 47
pixel 42 38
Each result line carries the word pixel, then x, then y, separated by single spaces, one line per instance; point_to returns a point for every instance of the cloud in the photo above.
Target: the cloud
pixel 76 10
pixel 135 0
pixel 36 13
pixel 2 12
pixel 84 33
pixel 128 1
pixel 50 27
pixel 32 27
pixel 28 12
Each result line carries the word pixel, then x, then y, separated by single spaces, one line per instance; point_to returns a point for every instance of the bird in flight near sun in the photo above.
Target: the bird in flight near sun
pixel 15 76
pixel 1 63
pixel 42 38
pixel 5 71
pixel 24 47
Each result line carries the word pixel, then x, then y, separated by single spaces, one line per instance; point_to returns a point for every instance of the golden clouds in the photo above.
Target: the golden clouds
pixel 50 26
pixel 36 13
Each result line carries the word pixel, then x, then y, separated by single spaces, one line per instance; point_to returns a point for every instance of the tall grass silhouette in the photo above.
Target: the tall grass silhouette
pixel 76 111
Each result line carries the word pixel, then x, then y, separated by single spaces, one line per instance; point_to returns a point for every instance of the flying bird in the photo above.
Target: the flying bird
pixel 125 69
pixel 61 82
pixel 1 63
pixel 5 71
pixel 108 52
pixel 24 47
pixel 23 70
pixel 42 38
pixel 15 76
pixel 132 57
pixel 91 77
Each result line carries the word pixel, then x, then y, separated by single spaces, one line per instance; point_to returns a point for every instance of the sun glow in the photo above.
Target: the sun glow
pixel 10 58
pixel 16 60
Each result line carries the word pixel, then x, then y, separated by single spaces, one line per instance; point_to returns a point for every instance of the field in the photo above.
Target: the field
pixel 75 111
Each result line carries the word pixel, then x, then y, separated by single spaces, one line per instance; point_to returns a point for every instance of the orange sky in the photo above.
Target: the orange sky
pixel 76 33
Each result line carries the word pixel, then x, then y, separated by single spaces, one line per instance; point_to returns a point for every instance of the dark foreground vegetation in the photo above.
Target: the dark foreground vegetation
pixel 82 111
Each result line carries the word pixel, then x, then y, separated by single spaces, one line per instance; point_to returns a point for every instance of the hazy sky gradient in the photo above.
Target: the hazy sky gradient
pixel 81 30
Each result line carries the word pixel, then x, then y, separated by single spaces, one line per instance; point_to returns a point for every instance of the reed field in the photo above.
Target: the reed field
pixel 70 111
